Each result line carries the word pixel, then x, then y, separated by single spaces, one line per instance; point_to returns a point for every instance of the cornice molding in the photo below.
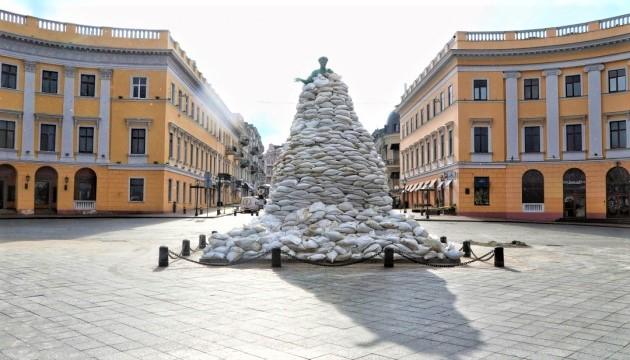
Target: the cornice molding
pixel 508 52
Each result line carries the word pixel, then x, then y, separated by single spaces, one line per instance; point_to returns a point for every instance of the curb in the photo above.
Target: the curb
pixel 527 222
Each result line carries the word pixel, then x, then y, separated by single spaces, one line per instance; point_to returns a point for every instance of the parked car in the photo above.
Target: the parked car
pixel 251 204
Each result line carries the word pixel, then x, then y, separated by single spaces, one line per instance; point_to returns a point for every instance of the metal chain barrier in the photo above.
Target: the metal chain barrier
pixel 333 264
pixel 406 255
pixel 174 255
pixel 422 261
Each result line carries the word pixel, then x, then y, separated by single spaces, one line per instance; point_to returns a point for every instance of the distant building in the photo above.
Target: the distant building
pixel 270 158
pixel 387 142
pixel 252 168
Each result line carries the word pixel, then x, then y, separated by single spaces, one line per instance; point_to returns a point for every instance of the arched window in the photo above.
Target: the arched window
pixel 618 193
pixel 533 187
pixel 85 185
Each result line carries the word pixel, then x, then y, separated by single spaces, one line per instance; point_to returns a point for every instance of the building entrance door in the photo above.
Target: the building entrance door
pixel 46 190
pixel 574 189
pixel 618 193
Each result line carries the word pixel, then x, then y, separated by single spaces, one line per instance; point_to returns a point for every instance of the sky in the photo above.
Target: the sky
pixel 250 51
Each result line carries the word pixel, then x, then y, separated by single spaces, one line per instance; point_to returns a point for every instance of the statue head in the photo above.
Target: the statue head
pixel 323 61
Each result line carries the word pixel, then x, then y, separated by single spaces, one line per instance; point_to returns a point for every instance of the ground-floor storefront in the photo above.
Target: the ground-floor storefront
pixel 598 189
pixel 50 188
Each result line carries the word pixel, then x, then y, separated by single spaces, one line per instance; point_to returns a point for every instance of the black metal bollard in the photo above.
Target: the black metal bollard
pixel 202 241
pixel 426 214
pixel 251 213
pixel 388 259
pixel 276 260
pixel 443 239
pixel 185 247
pixel 466 248
pixel 235 212
pixel 218 212
pixel 256 213
pixel 163 257
pixel 184 210
pixel 498 257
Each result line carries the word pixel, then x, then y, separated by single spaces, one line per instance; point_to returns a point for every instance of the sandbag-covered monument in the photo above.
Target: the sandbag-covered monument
pixel 329 200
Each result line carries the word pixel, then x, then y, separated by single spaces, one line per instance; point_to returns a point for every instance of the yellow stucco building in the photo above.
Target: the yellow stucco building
pixel 529 124
pixel 108 120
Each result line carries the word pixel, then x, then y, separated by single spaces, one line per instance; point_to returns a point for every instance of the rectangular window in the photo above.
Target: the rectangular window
pixel 481 139
pixel 138 141
pixel 480 90
pixel 170 145
pixel 421 116
pixel 86 140
pixel 572 86
pixel 532 139
pixel 49 81
pixel 574 137
pixel 180 100
pixel 173 94
pixel 617 134
pixel 88 85
pixel 434 149
pixel 192 110
pixel 177 191
pixel 184 193
pixel 531 89
pixel 417 124
pixel 442 146
pixel 47 137
pixel 179 148
pixel 7 135
pixel 450 95
pixel 170 190
pixel 422 154
pixel 429 112
pixel 9 76
pixel 450 142
pixel 441 101
pixel 482 190
pixel 139 87
pixel 616 80
pixel 136 189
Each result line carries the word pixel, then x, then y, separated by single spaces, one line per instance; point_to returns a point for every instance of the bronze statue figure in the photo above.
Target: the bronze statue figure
pixel 322 70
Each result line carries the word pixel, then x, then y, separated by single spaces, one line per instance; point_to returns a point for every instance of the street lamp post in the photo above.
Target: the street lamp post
pixel 404 182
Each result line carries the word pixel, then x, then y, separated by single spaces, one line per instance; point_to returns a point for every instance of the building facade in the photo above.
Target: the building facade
pixel 528 124
pixel 387 143
pixel 108 120
pixel 271 156
pixel 252 168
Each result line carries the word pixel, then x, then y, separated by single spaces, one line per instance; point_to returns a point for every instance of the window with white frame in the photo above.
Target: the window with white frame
pixel 86 140
pixel 450 95
pixel 139 87
pixel 173 94
pixel 138 141
pixel 7 134
pixel 532 139
pixel 441 101
pixel 572 86
pixel 480 90
pixel 136 189
pixel 617 134
pixel 47 137
pixel 480 139
pixel 8 77
pixel 616 80
pixel 88 85
pixel 49 81
pixel 531 89
pixel 574 137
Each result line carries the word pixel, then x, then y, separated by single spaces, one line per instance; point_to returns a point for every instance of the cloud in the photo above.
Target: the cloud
pixel 250 51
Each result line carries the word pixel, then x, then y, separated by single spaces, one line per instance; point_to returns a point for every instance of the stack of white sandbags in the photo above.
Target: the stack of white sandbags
pixel 330 199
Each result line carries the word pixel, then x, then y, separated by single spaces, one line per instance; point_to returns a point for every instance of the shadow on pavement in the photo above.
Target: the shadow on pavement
pixel 406 308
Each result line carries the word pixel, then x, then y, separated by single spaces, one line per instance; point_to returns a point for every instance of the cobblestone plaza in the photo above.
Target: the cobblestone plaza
pixel 90 288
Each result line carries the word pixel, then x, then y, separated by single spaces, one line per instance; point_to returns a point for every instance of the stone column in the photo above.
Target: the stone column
pixel 511 115
pixel 104 123
pixel 553 117
pixel 67 126
pixel 28 119
pixel 594 110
